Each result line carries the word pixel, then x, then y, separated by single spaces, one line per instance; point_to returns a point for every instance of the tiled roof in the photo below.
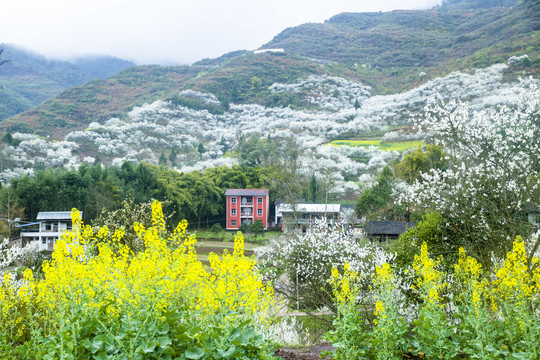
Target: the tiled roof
pixel 246 192
pixel 54 215
pixel 387 227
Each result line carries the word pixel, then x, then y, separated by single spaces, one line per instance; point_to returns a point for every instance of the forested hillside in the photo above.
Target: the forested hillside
pixel 391 52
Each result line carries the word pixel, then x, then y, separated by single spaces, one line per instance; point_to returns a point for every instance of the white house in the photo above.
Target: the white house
pixel 47 229
pixel 306 214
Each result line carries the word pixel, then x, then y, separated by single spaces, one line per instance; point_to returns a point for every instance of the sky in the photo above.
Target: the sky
pixel 166 31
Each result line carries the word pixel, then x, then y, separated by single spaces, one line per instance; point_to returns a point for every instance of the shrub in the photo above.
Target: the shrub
pixel 216 228
pixel 308 259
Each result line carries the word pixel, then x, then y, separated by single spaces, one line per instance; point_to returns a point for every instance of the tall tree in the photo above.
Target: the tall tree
pixel 162 159
pixel 377 202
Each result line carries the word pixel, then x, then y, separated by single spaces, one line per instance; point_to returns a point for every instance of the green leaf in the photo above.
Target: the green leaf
pixel 234 335
pixel 227 354
pixel 164 329
pixel 148 347
pixel 98 341
pixel 194 352
pixel 101 356
pixel 164 341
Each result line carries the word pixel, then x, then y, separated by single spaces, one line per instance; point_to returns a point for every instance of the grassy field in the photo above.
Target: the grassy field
pixel 399 146
pixel 228 236
pixel 208 242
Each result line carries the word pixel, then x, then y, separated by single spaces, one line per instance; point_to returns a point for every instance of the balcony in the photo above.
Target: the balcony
pixel 246 201
pixel 52 229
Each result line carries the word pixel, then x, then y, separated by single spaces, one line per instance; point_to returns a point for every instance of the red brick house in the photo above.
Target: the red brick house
pixel 246 206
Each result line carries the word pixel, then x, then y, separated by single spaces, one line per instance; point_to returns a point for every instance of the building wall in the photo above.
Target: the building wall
pixel 265 207
pixel 234 220
pixel 230 217
pixel 48 234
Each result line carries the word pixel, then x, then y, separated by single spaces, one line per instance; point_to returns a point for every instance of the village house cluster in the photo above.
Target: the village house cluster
pixel 246 206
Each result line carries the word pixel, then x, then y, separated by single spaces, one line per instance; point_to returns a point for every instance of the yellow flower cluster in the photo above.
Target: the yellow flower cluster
pixel 231 283
pixel 165 276
pixel 429 280
pixel 383 274
pixel 343 285
pixel 468 272
pixel 379 312
pixel 514 281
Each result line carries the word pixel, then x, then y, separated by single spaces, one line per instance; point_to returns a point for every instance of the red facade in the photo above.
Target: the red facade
pixel 246 206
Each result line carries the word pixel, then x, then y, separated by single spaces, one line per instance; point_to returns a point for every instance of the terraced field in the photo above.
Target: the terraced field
pixel 399 146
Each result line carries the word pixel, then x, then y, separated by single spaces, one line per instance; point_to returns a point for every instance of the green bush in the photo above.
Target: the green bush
pixel 216 228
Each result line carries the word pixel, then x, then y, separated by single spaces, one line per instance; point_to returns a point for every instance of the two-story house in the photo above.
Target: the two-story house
pixel 244 206
pixel 47 229
pixel 305 215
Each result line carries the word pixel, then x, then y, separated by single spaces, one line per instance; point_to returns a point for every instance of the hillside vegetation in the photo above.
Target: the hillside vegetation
pixel 391 52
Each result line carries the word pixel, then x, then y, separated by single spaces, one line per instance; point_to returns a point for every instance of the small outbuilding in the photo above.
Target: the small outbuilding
pixel 386 230
pixel 533 215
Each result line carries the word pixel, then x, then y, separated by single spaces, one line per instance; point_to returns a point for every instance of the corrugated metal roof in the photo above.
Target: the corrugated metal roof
pixel 246 192
pixel 309 208
pixel 54 215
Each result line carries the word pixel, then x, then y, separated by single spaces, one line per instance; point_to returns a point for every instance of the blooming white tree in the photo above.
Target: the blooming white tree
pixel 164 126
pixel 10 253
pixel 307 261
pixel 495 155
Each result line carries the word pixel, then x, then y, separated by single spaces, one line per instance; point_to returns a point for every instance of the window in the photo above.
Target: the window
pixel 233 200
pixel 259 200
pixel 233 222
pixel 259 212
pixel 233 211
pixel 43 240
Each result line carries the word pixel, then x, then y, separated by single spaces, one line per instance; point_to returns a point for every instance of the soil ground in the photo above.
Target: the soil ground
pixel 303 353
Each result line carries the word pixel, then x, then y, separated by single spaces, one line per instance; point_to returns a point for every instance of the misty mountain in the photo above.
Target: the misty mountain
pixel 29 78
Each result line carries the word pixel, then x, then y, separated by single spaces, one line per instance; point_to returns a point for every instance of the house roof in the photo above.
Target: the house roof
pixel 387 227
pixel 54 215
pixel 246 192
pixel 309 208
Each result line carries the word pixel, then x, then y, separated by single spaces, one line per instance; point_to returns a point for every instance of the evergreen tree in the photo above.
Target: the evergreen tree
pixel 172 156
pixel 201 148
pixel 356 104
pixel 162 159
